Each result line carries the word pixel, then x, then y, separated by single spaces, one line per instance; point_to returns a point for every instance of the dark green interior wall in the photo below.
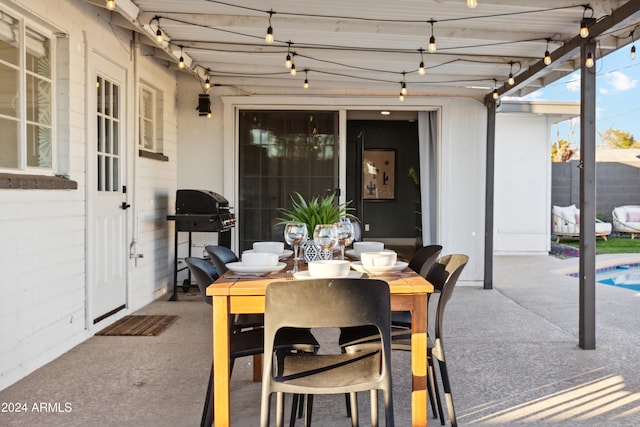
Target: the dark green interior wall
pixel 386 219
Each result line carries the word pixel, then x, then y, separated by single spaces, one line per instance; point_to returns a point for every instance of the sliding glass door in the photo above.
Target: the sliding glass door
pixel 280 153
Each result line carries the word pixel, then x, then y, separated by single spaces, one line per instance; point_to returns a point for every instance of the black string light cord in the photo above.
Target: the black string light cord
pixel 311 46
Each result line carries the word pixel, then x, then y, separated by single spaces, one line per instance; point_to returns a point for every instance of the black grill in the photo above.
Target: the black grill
pixel 200 211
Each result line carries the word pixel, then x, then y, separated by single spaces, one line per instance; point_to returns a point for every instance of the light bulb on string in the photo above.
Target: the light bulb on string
pixel 401 97
pixel 632 54
pixel 586 22
pixel 432 39
pixel 181 64
pixel 547 55
pixel 111 4
pixel 207 82
pixel 471 4
pixel 287 62
pixel 495 93
pixel 306 79
pixel 293 69
pixel 511 81
pixel 421 69
pixel 269 37
pixel 589 62
pixel 158 30
pixel 403 85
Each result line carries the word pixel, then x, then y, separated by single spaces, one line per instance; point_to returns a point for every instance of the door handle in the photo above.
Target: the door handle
pixel 125 206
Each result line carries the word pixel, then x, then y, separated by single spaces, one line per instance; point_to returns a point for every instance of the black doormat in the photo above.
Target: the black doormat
pixel 139 326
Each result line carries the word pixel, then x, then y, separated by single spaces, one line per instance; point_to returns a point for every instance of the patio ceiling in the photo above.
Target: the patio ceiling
pixel 369 47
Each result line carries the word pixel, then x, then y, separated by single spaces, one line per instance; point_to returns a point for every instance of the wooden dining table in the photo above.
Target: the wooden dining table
pixel 247 295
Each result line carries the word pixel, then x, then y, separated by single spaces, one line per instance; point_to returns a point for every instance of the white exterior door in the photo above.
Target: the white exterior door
pixel 106 198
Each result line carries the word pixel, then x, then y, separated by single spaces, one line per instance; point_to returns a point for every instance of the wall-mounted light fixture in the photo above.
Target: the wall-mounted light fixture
pixel 204 105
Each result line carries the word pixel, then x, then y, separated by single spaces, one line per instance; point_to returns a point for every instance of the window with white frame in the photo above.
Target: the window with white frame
pixel 150 119
pixel 26 96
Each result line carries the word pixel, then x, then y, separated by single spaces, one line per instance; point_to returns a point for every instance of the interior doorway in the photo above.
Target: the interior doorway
pixel 382 171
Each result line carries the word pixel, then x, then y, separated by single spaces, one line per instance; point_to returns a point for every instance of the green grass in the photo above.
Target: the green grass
pixel 613 245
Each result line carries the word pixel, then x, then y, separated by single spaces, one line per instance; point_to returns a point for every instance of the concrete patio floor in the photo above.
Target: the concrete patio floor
pixel 512 352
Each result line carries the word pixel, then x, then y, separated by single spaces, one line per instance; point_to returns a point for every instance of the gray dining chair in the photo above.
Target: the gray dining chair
pixel 244 341
pixel 219 256
pixel 327 303
pixel 443 274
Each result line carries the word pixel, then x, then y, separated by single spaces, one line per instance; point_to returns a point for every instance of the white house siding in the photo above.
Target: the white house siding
pixel 43 232
pixel 522 184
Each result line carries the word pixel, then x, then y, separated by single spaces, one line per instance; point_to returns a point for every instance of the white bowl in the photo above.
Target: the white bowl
pixel 272 247
pixel 263 259
pixel 329 268
pixel 378 259
pixel 368 246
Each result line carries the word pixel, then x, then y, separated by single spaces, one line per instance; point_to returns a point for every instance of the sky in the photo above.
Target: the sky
pixel 617 96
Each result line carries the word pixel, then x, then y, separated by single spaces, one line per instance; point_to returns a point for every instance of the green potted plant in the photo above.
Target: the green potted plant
pixel 317 210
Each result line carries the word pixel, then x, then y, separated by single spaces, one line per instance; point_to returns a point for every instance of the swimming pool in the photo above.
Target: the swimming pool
pixel 624 276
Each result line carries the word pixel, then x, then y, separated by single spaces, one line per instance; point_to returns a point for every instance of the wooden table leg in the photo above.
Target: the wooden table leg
pixel 221 369
pixel 419 361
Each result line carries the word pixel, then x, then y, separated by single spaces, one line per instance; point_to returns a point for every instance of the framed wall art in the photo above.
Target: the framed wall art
pixel 379 174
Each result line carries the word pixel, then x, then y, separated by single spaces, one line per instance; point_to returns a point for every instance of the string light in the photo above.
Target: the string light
pixel 181 61
pixel 511 81
pixel 207 82
pixel 589 61
pixel 111 4
pixel 495 93
pixel 306 80
pixel 158 30
pixel 287 62
pixel 269 37
pixel 585 23
pixel 432 39
pixel 293 69
pixel 632 54
pixel 547 55
pixel 421 69
pixel 401 97
pixel 471 4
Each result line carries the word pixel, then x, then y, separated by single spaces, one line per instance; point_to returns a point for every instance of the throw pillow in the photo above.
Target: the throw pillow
pixel 633 216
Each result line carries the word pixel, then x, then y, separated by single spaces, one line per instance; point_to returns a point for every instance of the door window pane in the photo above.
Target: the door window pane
pixel 282 152
pixel 9 39
pixel 9 85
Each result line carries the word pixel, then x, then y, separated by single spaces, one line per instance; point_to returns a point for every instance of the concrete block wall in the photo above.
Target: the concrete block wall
pixel 617 184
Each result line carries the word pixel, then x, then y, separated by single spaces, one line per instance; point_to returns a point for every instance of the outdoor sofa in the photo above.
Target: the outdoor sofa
pixel 566 223
pixel 626 219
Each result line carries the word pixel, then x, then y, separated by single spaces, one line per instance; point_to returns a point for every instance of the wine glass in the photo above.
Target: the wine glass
pixel 295 233
pixel 346 233
pixel 326 236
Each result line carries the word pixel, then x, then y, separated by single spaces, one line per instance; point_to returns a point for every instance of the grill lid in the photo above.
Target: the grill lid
pixel 200 202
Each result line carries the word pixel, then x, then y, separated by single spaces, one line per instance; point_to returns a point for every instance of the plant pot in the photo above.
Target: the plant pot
pixel 311 251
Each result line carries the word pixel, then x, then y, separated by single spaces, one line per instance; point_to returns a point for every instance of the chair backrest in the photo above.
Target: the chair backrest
pixel 453 265
pixel 205 274
pixel 220 255
pixel 327 303
pixel 424 258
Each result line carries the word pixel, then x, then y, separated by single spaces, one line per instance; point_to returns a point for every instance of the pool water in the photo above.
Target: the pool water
pixel 625 276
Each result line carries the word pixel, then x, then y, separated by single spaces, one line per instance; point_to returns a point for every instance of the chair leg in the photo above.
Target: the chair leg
pixel 432 383
pixel 388 408
pixel 307 413
pixel 279 409
pixel 207 412
pixel 347 404
pixel 353 399
pixel 374 407
pixel 430 391
pixel 294 410
pixel 447 392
